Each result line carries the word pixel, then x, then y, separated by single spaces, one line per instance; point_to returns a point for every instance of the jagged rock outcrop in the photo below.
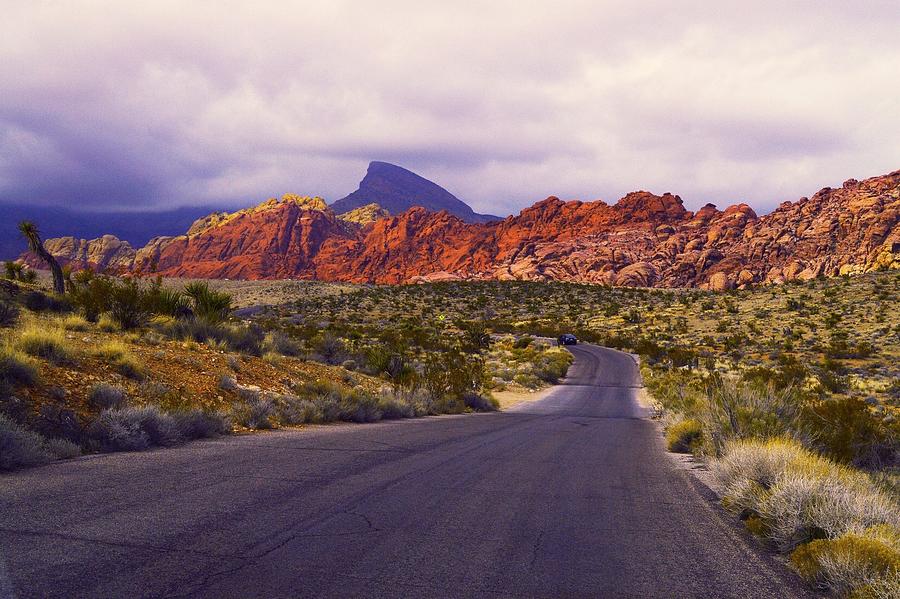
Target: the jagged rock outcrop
pixel 642 240
pixel 364 214
pixel 105 253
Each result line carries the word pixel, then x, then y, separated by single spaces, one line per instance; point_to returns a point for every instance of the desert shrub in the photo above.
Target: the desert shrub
pixel 331 348
pixel 282 344
pixel 739 411
pixel 846 430
pixel 91 293
pixel 227 383
pixel 119 356
pixel 523 342
pixel 113 431
pixel 16 368
pixel 480 403
pixel 452 374
pixel 104 396
pixel 552 365
pixel 9 314
pixel 43 342
pixel 475 336
pixel 359 406
pixel 62 449
pixel 197 424
pixel 393 406
pixel 676 390
pixel 207 304
pixel 128 304
pixel 106 324
pixel 291 409
pixel 392 363
pixel 799 495
pixel 12 269
pixel 38 301
pixel 74 322
pixel 134 429
pixel 255 411
pixel 852 562
pixel 166 302
pixel 684 436
pixel 246 339
pixel 338 403
pixel 20 447
pixel 160 427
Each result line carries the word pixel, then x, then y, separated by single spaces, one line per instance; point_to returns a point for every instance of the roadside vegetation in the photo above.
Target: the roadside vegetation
pixel 126 364
pixel 791 394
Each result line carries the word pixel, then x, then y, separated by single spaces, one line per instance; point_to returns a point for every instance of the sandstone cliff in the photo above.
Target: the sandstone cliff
pixel 642 240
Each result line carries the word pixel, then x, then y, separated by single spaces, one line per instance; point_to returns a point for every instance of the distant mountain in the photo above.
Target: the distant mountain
pixel 397 190
pixel 643 240
pixel 137 228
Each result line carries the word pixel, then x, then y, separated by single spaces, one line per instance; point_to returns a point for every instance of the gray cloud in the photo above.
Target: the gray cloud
pixel 503 103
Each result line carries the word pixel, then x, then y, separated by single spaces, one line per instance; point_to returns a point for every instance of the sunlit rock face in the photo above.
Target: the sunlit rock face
pixel 643 240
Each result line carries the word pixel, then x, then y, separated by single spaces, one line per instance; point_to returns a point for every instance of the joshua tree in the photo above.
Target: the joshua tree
pixel 30 232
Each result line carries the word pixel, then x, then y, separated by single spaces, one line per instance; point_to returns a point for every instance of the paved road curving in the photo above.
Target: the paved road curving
pixel 571 496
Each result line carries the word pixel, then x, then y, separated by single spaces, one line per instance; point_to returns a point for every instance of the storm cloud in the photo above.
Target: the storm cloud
pixel 162 104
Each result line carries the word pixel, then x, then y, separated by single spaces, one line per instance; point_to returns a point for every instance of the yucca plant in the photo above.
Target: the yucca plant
pixel 208 304
pixel 31 233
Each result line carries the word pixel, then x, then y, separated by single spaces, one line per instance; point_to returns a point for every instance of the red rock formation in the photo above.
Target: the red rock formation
pixel 642 240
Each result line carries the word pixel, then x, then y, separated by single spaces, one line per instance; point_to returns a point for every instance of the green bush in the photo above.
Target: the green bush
pixel 128 304
pixel 212 306
pixel 846 430
pixel 91 293
pixel 684 436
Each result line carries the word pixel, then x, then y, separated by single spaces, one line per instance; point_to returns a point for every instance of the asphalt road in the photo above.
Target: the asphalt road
pixel 571 496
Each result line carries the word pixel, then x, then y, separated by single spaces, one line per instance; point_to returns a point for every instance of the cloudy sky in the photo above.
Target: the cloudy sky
pixel 160 104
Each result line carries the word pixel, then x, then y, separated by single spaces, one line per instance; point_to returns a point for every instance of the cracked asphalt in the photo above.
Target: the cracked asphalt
pixel 570 496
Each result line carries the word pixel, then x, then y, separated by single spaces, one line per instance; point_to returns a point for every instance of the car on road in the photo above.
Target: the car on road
pixel 568 339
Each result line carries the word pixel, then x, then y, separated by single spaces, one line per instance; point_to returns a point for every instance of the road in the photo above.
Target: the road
pixel 570 496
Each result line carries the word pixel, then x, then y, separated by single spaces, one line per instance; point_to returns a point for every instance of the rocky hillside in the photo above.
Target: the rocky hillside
pixel 642 240
pixel 397 190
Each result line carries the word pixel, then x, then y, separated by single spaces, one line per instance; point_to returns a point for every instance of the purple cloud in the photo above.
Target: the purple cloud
pixel 503 104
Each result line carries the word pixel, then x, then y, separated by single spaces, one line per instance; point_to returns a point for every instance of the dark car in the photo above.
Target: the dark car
pixel 568 339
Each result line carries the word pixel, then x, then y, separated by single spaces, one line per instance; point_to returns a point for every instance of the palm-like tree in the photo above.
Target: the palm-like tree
pixel 31 233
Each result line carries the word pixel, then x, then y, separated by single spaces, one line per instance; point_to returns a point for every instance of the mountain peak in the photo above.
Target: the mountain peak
pixel 397 189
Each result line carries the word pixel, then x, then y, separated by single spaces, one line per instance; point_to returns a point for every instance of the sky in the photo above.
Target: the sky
pixel 153 105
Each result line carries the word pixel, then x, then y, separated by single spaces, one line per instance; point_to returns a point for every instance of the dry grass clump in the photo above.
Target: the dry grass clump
pixel 74 322
pixel 119 355
pixel 45 342
pixel 684 436
pixel 843 529
pixel 863 564
pixel 107 324
pixel 16 368
pixel 798 495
